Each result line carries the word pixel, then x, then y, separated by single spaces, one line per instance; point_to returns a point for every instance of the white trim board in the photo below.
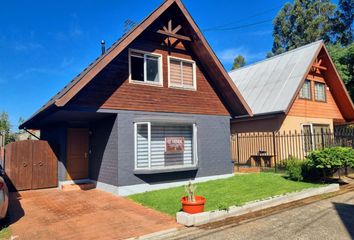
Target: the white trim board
pixel 145 187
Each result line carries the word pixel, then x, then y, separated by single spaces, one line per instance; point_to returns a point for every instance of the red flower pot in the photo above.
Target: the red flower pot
pixel 193 207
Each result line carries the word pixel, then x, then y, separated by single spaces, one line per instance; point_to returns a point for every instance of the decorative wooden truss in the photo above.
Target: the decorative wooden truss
pixel 172 33
pixel 317 65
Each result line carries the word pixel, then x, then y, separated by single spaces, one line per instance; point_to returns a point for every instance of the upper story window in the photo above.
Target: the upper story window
pixel 145 67
pixel 320 92
pixel 182 73
pixel 305 91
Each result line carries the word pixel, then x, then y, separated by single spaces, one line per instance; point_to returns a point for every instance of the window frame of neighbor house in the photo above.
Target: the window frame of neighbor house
pixel 312 140
pixel 182 61
pixel 324 95
pixel 164 130
pixel 301 96
pixel 134 53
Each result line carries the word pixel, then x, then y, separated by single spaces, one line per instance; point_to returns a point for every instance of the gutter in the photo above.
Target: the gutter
pixel 257 115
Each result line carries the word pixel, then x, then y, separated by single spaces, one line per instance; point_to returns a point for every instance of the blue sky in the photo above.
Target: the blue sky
pixel 44 44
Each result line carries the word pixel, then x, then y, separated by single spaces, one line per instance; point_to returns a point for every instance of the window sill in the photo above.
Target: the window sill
pixel 146 83
pixel 165 170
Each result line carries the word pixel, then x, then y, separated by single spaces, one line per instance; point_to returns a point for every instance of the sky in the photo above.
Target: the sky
pixel 45 44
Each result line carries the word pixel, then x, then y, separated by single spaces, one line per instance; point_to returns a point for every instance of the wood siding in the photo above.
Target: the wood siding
pixel 111 88
pixel 313 108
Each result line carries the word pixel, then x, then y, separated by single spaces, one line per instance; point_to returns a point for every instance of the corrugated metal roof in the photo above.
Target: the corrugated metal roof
pixel 269 85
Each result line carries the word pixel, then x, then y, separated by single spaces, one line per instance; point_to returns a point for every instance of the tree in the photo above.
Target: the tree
pixel 239 61
pixel 343 23
pixel 5 127
pixel 343 58
pixel 302 22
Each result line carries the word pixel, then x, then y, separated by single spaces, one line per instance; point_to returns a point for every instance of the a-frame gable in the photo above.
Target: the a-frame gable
pixel 338 104
pixel 211 65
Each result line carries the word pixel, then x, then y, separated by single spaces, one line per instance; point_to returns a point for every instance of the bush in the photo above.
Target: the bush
pixel 329 160
pixel 295 168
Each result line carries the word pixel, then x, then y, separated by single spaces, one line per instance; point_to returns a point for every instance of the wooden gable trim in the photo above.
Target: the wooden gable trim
pixel 121 45
pixel 346 108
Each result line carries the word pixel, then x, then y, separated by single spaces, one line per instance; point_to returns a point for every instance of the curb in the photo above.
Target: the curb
pixel 155 234
pixel 212 216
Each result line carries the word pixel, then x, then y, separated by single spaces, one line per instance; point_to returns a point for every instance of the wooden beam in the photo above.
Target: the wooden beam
pixel 177 29
pixel 174 35
pixel 319 67
pixel 170 25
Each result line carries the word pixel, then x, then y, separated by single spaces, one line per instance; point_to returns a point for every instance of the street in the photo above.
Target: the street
pixel 331 218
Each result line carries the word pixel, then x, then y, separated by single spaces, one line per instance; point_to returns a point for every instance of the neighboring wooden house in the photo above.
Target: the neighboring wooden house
pixel 299 90
pixel 296 99
pixel 154 109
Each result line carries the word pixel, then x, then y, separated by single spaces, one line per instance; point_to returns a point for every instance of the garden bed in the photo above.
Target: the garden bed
pixel 223 193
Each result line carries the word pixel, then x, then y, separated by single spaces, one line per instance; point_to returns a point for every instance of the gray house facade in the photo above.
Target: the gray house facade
pixel 152 111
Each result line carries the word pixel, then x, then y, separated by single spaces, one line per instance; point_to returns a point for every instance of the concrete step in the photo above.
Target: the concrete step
pixel 77 186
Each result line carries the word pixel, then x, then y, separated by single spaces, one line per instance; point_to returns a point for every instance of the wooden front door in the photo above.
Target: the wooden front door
pixel 77 153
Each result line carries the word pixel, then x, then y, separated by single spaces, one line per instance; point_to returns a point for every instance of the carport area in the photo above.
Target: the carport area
pixel 79 214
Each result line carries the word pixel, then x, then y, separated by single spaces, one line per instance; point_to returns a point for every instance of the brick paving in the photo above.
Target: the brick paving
pixel 91 214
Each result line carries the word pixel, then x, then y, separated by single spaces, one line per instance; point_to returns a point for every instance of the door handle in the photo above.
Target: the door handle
pixel 24 164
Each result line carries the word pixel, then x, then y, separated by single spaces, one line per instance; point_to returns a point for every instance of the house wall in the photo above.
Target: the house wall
pixel 57 138
pixel 213 148
pixel 111 88
pixel 264 124
pixel 315 109
pixel 293 123
pixel 103 161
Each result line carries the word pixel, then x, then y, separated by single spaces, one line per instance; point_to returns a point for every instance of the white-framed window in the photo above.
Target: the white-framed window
pixel 315 136
pixel 165 145
pixel 145 67
pixel 320 92
pixel 181 73
pixel 305 92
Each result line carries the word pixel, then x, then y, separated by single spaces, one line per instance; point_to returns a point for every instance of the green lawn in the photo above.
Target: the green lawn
pixel 5 233
pixel 220 194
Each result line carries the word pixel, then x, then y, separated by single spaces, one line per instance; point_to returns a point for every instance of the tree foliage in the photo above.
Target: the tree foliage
pixel 302 22
pixel 239 61
pixel 343 58
pixel 5 127
pixel 343 23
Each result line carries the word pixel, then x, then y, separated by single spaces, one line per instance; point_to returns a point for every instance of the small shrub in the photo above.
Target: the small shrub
pixel 329 160
pixel 294 169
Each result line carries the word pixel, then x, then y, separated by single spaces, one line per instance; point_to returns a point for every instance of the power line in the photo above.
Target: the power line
pixel 243 26
pixel 240 20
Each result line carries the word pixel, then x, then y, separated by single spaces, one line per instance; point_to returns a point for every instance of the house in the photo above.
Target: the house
pixel 153 111
pixel 296 99
pixel 299 90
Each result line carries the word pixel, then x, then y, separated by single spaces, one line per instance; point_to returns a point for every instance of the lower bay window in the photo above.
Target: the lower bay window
pixel 165 145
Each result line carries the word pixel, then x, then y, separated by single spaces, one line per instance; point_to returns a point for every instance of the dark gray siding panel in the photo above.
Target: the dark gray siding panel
pixel 56 136
pixel 214 156
pixel 103 164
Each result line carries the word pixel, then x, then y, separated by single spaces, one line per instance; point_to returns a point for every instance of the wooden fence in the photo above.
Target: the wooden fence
pixel 273 148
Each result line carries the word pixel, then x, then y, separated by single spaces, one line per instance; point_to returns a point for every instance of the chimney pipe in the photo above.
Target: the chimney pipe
pixel 103 46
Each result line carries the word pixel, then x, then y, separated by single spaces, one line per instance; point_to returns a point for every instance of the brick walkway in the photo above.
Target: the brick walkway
pixel 92 214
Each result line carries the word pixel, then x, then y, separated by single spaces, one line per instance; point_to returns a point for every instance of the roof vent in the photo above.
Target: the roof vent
pixel 103 46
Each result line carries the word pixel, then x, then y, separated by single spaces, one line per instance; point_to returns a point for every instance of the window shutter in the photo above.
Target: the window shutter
pixel 175 73
pixel 187 70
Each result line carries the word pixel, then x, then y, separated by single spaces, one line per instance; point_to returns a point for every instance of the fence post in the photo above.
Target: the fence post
pixel 238 153
pixel 322 138
pixel 275 153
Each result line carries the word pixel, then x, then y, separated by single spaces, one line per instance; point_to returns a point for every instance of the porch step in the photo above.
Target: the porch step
pixel 77 186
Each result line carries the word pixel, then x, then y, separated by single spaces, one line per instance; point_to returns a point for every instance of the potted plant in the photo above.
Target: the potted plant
pixel 191 203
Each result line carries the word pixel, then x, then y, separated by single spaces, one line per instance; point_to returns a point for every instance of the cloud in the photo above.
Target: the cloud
pixel 72 32
pixel 261 33
pixel 66 62
pixel 228 55
pixel 33 70
pixel 24 47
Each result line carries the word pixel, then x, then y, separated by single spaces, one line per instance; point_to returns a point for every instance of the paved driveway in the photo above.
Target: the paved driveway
pixel 332 218
pixel 92 214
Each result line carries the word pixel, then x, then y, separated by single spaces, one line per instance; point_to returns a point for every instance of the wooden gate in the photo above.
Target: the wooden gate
pixel 31 164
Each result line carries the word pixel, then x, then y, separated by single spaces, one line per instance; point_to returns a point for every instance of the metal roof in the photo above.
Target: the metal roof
pixel 270 85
